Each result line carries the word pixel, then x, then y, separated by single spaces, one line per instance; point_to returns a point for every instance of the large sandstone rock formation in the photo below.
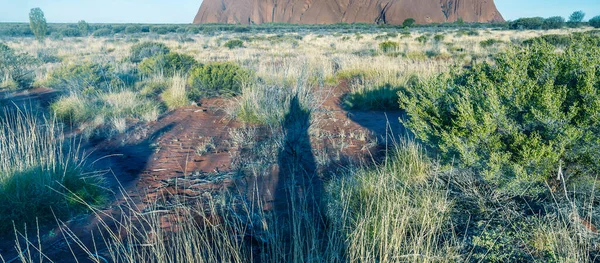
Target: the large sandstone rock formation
pixel 346 11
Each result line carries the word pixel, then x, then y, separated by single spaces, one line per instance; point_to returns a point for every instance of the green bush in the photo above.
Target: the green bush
pixel 389 46
pixel 527 23
pixel 408 22
pixel 70 32
pixel 147 49
pixel 160 30
pixel 88 77
pixel 216 79
pixel 555 22
pixel 439 38
pixel 133 29
pixel 102 32
pixel 422 39
pixel 595 22
pixel 490 42
pixel 517 120
pixel 555 40
pixel 236 43
pixel 167 64
pixel 16 70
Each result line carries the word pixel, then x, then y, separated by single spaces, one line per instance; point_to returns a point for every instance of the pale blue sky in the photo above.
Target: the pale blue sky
pixel 183 11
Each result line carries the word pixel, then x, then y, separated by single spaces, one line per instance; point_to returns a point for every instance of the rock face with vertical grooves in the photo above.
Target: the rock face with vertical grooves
pixel 345 11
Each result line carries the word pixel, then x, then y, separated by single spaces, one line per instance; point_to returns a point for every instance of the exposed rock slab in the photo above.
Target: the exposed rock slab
pixel 345 11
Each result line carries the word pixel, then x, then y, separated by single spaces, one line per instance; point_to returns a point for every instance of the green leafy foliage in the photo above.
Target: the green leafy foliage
pixel 527 23
pixel 577 17
pixel 490 42
pixel 37 23
pixel 147 49
pixel 408 22
pixel 518 120
pixel 15 69
pixel 167 64
pixel 216 79
pixel 554 22
pixel 595 22
pixel 234 43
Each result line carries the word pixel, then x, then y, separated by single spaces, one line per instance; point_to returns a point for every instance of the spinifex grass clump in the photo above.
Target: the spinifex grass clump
pixel 522 122
pixel 41 174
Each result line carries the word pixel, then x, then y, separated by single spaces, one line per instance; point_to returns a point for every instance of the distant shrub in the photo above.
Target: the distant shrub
pixel 576 17
pixel 102 32
pixel 159 30
pixel 216 79
pixel 595 22
pixel 133 29
pixel 16 70
pixel 389 46
pixel 167 64
pixel 527 23
pixel 235 43
pixel 555 22
pixel 408 22
pixel 490 42
pixel 422 39
pixel 517 120
pixel 147 49
pixel 70 32
pixel 439 38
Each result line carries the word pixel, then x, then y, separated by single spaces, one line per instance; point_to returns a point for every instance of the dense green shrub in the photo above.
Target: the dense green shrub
pixel 234 43
pixel 15 69
pixel 133 29
pixel 408 22
pixel 595 22
pixel 70 32
pixel 167 64
pixel 554 39
pixel 554 22
pixel 576 17
pixel 517 120
pixel 102 32
pixel 86 77
pixel 389 46
pixel 527 23
pixel 217 79
pixel 161 30
pixel 147 49
pixel 439 38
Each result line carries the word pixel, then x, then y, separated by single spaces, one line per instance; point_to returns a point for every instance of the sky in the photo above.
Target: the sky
pixel 183 11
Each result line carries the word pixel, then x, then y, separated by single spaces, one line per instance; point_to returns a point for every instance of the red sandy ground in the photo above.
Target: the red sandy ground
pixel 148 156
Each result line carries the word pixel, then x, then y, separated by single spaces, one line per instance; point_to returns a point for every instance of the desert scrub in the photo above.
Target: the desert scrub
pixel 518 120
pixel 167 64
pixel 147 49
pixel 234 43
pixel 86 77
pixel 389 46
pixel 176 96
pixel 16 70
pixel 397 209
pixel 41 174
pixel 217 79
pixel 490 42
